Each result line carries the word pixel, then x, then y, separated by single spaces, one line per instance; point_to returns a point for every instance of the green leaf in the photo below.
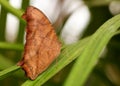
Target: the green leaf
pixel 5 73
pixel 4 62
pixel 3 17
pixel 92 51
pixel 11 46
pixel 20 37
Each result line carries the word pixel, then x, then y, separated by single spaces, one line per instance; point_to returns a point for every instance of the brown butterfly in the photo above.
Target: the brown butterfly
pixel 42 45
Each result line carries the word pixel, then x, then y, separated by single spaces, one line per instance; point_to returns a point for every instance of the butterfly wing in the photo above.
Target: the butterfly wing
pixel 42 45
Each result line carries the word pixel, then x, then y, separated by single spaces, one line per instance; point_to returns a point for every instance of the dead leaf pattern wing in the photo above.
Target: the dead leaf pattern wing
pixel 42 45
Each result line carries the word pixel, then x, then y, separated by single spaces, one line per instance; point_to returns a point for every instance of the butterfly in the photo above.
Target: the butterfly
pixel 42 46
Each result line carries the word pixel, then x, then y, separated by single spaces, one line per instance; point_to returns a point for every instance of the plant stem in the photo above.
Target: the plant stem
pixel 8 71
pixel 12 10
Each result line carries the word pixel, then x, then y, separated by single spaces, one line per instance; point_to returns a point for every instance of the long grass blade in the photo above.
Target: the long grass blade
pixel 90 54
pixel 11 46
pixel 7 72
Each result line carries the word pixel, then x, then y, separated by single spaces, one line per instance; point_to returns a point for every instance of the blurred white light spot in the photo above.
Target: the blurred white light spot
pixel 75 25
pixel 71 5
pixel 114 7
pixel 11 28
pixel 47 7
pixel 16 3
